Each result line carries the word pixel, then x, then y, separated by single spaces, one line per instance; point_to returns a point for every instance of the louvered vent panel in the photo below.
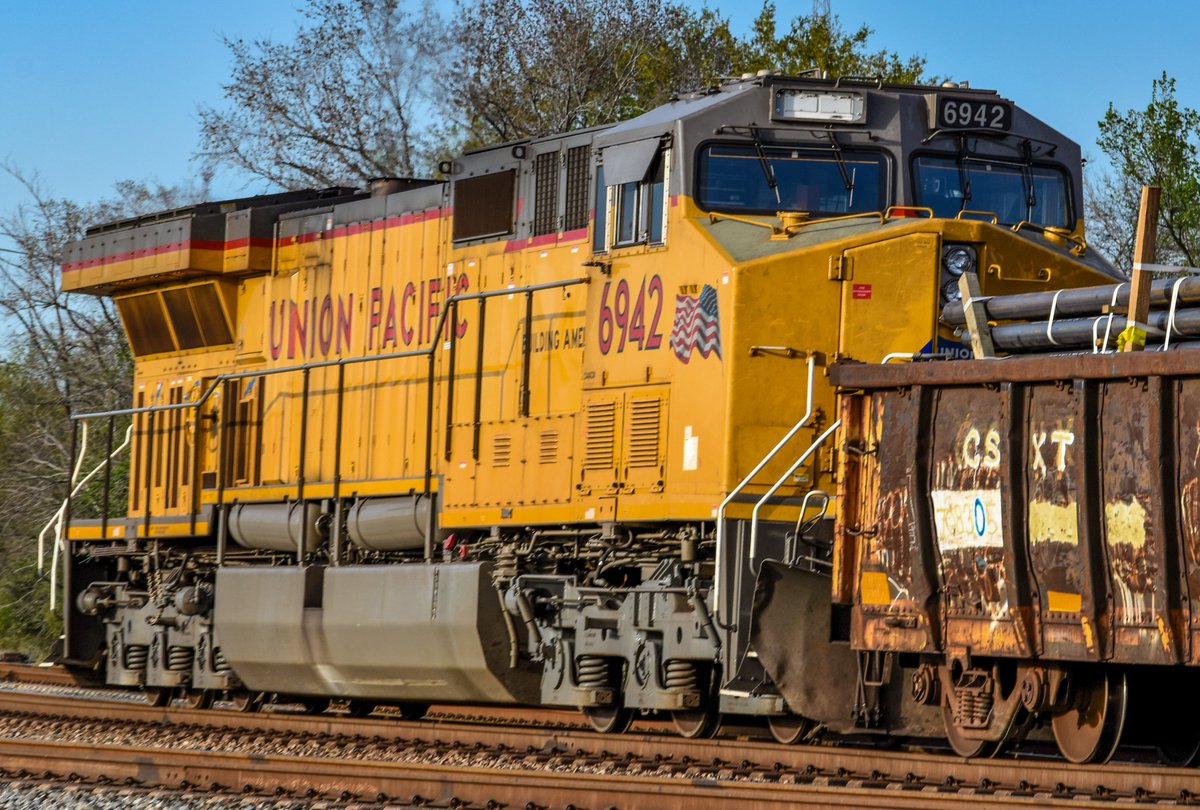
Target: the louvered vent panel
pixel 644 429
pixel 548 447
pixel 501 450
pixel 601 435
pixel 545 194
pixel 577 189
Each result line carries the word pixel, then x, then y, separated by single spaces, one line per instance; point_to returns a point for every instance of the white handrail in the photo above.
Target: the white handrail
pixel 808 412
pixel 56 522
pixel 803 457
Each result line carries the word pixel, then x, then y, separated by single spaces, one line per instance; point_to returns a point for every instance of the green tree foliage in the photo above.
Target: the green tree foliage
pixel 371 88
pixel 68 355
pixel 534 67
pixel 820 42
pixel 1154 146
pixel 344 101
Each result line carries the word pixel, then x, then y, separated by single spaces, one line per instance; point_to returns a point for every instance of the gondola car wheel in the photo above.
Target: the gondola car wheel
pixel 962 745
pixel 1090 729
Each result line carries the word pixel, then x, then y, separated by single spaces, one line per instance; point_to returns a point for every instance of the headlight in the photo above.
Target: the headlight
pixel 958 259
pixel 950 291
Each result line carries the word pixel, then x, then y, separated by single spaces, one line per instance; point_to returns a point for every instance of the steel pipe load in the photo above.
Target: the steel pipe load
pixel 1073 303
pixel 1074 333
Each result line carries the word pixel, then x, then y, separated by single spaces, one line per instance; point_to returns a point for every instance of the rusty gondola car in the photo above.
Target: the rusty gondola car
pixel 1027 528
pixel 558 429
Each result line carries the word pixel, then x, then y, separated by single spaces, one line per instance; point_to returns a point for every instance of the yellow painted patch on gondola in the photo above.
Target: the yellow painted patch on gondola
pixel 1164 634
pixel 1051 523
pixel 1125 523
pixel 875 588
pixel 1065 602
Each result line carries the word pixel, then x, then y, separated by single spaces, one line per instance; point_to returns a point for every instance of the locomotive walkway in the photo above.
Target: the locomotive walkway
pixel 542 762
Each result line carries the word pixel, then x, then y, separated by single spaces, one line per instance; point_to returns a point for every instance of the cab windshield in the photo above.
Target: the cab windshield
pixel 736 177
pixel 1014 193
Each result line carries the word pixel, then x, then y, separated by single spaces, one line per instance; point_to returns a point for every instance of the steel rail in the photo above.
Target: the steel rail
pixel 458 785
pixel 715 765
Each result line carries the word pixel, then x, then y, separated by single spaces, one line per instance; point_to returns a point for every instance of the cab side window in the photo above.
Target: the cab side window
pixel 637 209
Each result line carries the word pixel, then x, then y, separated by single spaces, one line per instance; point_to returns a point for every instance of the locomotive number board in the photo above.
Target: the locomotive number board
pixel 951 112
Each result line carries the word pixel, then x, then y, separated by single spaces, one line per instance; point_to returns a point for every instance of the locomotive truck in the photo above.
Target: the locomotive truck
pixel 558 429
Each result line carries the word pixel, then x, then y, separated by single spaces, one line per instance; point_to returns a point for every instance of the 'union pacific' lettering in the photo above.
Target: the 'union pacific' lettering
pixel 396 319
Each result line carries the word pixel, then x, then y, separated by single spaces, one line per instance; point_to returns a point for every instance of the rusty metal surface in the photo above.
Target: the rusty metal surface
pixel 1077 476
pixel 975 524
pixel 1017 369
pixel 895 607
pixel 1141 557
pixel 1064 571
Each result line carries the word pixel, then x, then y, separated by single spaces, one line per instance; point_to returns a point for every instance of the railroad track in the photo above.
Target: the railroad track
pixel 451 763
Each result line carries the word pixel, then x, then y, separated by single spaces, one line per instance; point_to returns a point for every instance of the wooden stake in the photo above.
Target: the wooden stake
pixel 976 314
pixel 1143 254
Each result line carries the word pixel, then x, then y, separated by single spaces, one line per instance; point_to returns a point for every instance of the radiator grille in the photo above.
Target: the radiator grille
pixel 645 422
pixel 601 431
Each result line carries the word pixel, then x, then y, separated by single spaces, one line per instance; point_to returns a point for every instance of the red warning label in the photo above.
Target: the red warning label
pixel 860 291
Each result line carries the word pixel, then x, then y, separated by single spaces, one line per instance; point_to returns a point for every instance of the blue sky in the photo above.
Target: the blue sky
pixel 97 92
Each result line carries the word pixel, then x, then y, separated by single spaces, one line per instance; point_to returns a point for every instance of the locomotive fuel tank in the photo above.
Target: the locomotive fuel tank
pixel 398 633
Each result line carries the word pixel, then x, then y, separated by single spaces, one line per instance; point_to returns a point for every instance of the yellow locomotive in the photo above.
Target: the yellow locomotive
pixel 532 434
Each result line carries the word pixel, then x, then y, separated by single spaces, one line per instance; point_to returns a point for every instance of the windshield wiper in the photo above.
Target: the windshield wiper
pixel 964 178
pixel 847 180
pixel 1027 177
pixel 767 169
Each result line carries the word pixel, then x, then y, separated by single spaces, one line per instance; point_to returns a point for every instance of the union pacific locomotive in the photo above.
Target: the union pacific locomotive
pixel 558 429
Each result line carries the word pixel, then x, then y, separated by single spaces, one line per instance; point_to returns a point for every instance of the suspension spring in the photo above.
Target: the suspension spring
pixel 218 661
pixel 180 658
pixel 974 709
pixel 136 656
pixel 592 672
pixel 681 675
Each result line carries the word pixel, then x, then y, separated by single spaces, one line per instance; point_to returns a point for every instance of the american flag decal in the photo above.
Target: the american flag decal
pixel 697 325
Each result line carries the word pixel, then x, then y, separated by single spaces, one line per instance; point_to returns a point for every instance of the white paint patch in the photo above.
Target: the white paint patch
pixel 968 518
pixel 691 450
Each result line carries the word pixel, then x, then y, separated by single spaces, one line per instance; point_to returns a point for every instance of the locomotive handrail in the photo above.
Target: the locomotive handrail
pixel 812 448
pixel 720 549
pixel 340 363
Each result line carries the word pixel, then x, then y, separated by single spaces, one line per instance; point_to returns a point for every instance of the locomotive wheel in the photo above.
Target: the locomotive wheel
pixel 611 719
pixel 696 724
pixel 359 708
pixel 411 711
pixel 1090 730
pixel 246 701
pixel 159 695
pixel 314 705
pixel 962 745
pixel 198 699
pixel 789 729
